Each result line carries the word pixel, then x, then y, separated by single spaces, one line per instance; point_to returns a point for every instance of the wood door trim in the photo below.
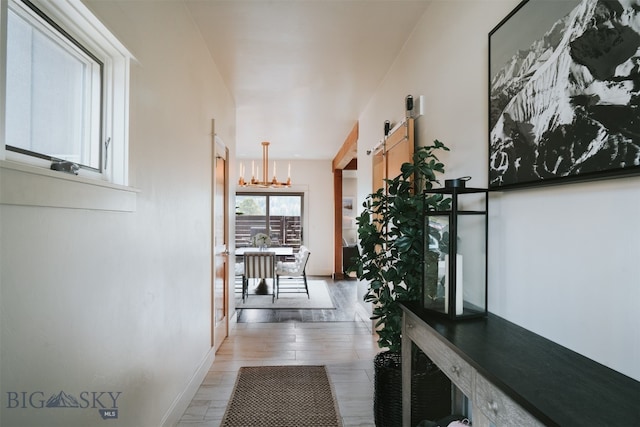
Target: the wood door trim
pixel 219 151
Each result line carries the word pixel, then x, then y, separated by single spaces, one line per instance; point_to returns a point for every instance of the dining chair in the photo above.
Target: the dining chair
pixel 239 276
pixel 295 273
pixel 259 266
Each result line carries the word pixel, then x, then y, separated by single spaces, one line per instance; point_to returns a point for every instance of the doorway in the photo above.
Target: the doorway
pixel 344 166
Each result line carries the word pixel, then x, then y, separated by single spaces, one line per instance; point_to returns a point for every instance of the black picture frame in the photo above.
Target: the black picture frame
pixel 564 94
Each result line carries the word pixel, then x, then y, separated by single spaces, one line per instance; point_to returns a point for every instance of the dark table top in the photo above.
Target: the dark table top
pixel 556 385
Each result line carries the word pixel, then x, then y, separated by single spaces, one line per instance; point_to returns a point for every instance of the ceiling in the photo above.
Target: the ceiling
pixel 301 71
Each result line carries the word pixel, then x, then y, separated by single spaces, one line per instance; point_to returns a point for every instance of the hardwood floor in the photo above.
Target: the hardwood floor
pixel 261 337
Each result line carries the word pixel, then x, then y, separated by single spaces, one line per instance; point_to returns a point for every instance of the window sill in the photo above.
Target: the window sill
pixel 27 185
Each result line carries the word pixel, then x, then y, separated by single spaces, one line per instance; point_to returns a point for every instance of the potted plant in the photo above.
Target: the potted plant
pixel 391 235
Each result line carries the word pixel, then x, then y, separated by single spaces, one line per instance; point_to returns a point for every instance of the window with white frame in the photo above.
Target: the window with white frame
pixel 67 84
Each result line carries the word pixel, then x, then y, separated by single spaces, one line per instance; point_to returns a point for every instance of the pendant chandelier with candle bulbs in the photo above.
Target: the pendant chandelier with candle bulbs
pixel 255 180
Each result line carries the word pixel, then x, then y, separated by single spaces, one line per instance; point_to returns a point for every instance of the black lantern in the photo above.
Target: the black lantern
pixel 455 251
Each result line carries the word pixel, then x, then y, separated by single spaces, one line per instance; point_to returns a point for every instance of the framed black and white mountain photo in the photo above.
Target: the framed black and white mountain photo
pixel 564 92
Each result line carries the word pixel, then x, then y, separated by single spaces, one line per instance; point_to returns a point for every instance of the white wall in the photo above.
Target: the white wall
pixel 563 260
pixel 315 179
pixel 115 301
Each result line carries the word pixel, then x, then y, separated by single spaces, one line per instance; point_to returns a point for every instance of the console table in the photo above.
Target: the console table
pixel 514 377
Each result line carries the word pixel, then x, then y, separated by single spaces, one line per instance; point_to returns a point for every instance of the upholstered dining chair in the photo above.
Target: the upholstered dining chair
pixel 259 266
pixel 294 272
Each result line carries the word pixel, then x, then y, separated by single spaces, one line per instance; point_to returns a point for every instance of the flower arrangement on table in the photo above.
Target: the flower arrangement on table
pixel 261 240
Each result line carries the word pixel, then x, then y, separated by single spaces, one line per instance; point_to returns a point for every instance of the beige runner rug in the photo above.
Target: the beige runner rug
pixel 282 396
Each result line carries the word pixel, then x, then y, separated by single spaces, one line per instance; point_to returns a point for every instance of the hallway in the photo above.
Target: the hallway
pixel 347 348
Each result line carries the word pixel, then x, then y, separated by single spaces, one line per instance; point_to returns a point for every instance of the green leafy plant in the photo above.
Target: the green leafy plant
pixel 391 234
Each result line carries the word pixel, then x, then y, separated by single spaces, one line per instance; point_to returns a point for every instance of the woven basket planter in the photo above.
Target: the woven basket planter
pixel 431 390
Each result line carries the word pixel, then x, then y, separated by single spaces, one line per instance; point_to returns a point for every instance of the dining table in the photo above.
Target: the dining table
pixel 280 251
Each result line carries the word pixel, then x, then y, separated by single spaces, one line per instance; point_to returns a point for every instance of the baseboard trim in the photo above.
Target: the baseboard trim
pixel 182 401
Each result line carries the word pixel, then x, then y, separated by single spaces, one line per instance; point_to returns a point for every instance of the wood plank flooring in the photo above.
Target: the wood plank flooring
pixel 296 337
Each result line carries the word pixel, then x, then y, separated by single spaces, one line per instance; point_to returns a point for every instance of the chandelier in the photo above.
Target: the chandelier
pixel 255 172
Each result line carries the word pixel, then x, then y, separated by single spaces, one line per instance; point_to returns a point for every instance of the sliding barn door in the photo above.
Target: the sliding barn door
pixel 397 149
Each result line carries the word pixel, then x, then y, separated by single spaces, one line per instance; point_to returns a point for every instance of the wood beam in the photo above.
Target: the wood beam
pixel 348 151
pixel 352 166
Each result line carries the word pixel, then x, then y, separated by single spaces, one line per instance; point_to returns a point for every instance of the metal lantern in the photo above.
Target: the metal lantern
pixel 455 251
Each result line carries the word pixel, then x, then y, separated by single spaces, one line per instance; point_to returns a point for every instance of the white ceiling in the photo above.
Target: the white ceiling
pixel 301 71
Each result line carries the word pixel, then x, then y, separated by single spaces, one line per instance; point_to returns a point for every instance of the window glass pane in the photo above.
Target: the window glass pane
pixel 284 219
pixel 285 205
pixel 251 218
pixel 18 114
pixel 251 205
pixel 53 93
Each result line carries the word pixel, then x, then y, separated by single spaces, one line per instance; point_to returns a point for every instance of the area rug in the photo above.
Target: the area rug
pixel 282 396
pixel 319 298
